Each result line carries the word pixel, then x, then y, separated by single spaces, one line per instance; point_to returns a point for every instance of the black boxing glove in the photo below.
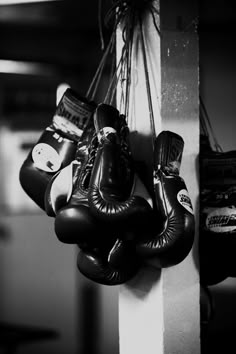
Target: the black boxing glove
pixel 101 258
pixel 59 189
pixel 113 263
pixel 74 176
pixel 116 194
pixel 174 235
pixel 217 233
pixel 57 145
pixel 66 197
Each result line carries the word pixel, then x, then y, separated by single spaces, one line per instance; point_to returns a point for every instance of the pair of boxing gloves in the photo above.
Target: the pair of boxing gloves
pixel 217 233
pixel 82 173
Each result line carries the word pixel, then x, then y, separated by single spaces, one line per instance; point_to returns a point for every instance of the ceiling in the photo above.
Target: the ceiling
pixel 66 33
pixel 61 33
pixel 61 42
pixel 216 15
pixel 63 36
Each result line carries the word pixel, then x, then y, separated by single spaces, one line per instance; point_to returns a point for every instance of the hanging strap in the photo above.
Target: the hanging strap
pixel 147 81
pixel 123 69
pixel 92 90
pixel 109 52
pixel 115 78
pixel 123 12
pixel 130 23
pixel 206 126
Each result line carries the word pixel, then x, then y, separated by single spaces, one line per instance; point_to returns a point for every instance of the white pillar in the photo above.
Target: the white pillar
pixel 159 309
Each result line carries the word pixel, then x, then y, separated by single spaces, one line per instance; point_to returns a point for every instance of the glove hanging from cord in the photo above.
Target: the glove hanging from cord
pixel 103 257
pixel 174 235
pixel 116 194
pixel 56 147
pixel 174 227
pixel 112 263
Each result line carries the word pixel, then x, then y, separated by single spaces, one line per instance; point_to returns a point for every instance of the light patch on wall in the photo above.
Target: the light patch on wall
pixel 24 68
pixel 13 198
pixel 18 2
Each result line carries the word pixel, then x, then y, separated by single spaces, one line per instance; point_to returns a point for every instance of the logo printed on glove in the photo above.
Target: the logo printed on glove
pixel 46 158
pixel 104 132
pixel 222 220
pixel 76 113
pixel 184 200
pixel 66 125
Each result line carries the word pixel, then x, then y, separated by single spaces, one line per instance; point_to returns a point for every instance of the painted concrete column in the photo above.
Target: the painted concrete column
pixel 159 309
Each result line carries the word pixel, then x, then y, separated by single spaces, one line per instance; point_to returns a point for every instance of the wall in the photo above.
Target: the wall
pixel 218 83
pixel 168 301
pixel 180 90
pixel 217 87
pixel 41 288
pixel 38 283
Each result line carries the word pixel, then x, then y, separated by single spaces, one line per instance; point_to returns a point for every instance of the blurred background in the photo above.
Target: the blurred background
pixel 217 72
pixel 46 305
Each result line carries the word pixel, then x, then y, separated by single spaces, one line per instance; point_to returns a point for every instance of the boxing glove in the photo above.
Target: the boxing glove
pixel 60 188
pixel 66 197
pixel 57 145
pixel 101 258
pixel 207 308
pixel 174 235
pixel 111 264
pixel 115 195
pixel 217 234
pixel 213 259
